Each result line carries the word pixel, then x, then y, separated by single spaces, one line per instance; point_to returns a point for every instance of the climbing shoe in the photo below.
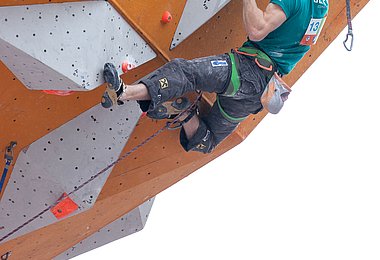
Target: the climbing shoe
pixel 115 86
pixel 170 109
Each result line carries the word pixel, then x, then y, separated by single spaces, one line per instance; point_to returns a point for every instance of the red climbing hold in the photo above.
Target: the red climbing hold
pixel 58 92
pixel 64 207
pixel 126 66
pixel 166 17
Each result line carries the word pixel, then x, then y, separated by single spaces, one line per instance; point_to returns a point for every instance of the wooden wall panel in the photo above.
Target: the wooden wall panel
pixel 157 165
pixel 146 18
pixel 28 115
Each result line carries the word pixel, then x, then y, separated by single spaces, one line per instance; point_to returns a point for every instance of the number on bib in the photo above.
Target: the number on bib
pixel 313 30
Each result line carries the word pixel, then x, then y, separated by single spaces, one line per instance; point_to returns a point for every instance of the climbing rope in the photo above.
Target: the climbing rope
pixel 349 35
pixel 168 125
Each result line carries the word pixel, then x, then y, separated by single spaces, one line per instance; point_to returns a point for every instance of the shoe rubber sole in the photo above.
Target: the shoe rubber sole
pixel 111 77
pixel 170 109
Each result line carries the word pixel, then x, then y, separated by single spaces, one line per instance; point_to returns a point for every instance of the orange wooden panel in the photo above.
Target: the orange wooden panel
pixel 145 16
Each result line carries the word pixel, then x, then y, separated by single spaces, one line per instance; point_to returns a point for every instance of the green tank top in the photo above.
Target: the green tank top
pixel 283 44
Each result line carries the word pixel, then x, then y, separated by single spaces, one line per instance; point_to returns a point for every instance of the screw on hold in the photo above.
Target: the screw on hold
pixel 64 207
pixel 6 255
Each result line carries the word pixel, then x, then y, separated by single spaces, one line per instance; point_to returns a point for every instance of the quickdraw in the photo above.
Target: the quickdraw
pixel 8 156
pixel 349 34
pixel 168 125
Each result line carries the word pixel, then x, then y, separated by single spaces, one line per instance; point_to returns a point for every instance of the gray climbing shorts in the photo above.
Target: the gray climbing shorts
pixel 180 76
pixel 209 74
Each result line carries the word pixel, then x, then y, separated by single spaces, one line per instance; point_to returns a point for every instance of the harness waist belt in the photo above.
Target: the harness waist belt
pixel 261 59
pixel 252 51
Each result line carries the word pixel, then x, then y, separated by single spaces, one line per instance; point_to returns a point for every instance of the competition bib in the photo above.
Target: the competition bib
pixel 319 14
pixel 313 30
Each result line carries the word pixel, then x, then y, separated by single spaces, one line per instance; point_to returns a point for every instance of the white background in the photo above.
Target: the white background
pixel 304 185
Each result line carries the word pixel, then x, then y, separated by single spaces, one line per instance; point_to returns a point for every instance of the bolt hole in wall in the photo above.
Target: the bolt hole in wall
pixel 61 52
pixel 65 145
pixel 301 181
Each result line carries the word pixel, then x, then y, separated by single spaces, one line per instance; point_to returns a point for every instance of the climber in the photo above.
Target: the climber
pixel 246 80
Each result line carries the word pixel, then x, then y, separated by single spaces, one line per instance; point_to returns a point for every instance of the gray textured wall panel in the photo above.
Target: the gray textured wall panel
pixel 32 72
pixel 195 14
pixel 131 223
pixel 73 39
pixel 61 161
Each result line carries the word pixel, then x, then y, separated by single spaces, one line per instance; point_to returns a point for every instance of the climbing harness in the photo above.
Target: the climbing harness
pixel 261 59
pixel 227 116
pixel 168 125
pixel 349 35
pixel 234 85
pixel 8 156
pixel 193 109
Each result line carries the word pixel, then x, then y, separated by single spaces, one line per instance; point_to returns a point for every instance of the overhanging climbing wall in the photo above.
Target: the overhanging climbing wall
pixel 64 46
pixel 63 160
pixel 27 116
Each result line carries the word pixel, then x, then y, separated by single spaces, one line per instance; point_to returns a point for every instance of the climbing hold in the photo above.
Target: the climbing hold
pixel 58 92
pixel 166 17
pixel 64 208
pixel 126 66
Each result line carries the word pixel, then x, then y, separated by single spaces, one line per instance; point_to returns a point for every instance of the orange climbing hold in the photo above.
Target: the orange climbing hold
pixel 64 207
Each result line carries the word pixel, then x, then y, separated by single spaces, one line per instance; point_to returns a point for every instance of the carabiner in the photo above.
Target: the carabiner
pixel 349 25
pixel 349 34
pixel 6 255
pixel 9 151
